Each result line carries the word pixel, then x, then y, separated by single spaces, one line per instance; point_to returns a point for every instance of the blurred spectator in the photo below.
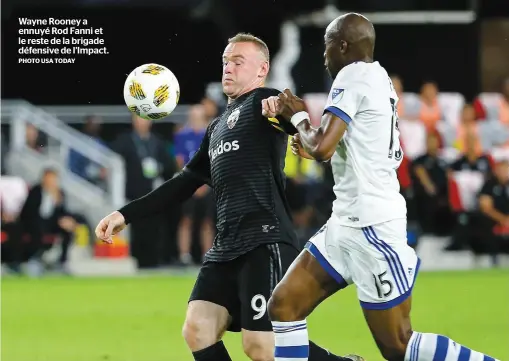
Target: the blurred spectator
pixel 211 109
pixel 430 188
pixel 13 193
pixel 147 164
pixel 468 173
pixel 3 154
pixel 468 127
pixel 398 88
pixel 499 110
pixel 472 159
pixel 187 140
pixel 303 188
pixel 427 109
pixel 494 207
pixel 44 214
pixel 35 140
pixel 198 211
pixel 79 163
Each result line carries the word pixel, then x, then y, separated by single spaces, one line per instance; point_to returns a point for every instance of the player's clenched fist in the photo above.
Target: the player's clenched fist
pixel 297 148
pixel 271 107
pixel 109 226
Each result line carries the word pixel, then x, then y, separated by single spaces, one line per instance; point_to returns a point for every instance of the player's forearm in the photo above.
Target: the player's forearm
pixel 175 190
pixel 312 140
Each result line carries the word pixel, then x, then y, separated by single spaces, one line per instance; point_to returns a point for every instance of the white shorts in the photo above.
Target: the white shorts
pixel 377 259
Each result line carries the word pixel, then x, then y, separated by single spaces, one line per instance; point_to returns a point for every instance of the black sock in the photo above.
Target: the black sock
pixel 216 352
pixel 316 353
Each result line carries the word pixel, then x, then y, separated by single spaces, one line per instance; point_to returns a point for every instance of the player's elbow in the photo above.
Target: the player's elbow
pixel 322 154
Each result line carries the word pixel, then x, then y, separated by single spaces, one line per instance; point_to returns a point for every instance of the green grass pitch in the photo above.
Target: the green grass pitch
pixel 140 319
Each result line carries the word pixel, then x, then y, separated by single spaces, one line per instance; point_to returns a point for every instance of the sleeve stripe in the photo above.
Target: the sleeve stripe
pixel 273 120
pixel 339 113
pixel 278 128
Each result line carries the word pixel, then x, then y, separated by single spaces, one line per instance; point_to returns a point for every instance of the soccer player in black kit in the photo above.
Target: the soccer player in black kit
pixel 242 159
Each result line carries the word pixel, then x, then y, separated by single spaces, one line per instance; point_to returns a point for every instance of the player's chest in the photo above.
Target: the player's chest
pixel 231 135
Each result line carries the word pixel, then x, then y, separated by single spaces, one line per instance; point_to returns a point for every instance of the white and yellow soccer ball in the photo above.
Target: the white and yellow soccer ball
pixel 151 91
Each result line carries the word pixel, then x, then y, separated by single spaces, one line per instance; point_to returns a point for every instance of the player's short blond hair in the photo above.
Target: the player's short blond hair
pixel 249 38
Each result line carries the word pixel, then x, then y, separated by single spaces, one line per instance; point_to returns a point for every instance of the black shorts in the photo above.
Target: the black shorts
pixel 244 285
pixel 200 208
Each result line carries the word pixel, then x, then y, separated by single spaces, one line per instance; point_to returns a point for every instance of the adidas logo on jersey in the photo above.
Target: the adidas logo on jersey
pixel 223 147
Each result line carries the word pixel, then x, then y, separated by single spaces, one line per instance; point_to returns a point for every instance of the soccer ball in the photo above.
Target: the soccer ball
pixel 151 91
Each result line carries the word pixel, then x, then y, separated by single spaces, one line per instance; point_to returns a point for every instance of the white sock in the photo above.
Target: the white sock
pixel 292 343
pixel 431 347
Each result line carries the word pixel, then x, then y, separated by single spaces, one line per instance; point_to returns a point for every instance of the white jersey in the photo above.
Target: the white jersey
pixel 367 157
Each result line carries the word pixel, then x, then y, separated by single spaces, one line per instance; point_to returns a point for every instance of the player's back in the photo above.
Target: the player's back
pixel 365 162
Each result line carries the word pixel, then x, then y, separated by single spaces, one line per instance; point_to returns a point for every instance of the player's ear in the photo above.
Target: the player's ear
pixel 343 46
pixel 264 70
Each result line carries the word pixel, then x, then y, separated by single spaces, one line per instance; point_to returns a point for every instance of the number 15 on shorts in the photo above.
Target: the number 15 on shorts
pixel 383 286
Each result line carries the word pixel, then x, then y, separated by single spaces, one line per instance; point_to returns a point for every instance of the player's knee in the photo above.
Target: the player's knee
pixel 282 308
pixel 198 334
pixel 259 349
pixel 395 349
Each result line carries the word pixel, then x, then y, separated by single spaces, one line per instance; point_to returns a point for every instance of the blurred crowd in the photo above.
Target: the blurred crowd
pixel 454 176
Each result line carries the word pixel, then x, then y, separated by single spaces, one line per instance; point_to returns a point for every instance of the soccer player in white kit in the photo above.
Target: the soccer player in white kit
pixel 364 242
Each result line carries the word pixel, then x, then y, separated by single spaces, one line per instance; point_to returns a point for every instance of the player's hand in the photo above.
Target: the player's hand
pixel 290 104
pixel 297 148
pixel 109 226
pixel 271 107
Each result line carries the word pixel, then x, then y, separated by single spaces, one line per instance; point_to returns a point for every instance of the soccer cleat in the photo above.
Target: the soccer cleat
pixel 354 357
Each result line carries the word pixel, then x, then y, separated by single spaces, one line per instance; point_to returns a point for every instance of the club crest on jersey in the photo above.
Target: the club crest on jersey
pixel 337 94
pixel 233 118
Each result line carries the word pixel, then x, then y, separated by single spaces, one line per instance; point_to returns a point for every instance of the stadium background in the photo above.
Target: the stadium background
pixel 462 45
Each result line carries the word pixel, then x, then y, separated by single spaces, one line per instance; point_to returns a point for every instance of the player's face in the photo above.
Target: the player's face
pixel 334 51
pixel 244 68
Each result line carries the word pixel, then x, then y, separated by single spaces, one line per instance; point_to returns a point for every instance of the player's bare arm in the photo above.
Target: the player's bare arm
pixel 319 143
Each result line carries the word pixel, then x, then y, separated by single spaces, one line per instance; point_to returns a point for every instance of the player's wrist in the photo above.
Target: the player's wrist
pixel 298 118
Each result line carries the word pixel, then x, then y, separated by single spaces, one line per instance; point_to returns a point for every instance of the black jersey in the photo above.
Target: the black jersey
pixel 243 156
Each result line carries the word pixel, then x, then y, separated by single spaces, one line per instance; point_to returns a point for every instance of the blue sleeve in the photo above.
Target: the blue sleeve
pixel 339 113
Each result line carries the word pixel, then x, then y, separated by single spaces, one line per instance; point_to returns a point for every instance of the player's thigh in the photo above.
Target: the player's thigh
pixel 316 274
pixel 261 270
pixel 213 303
pixel 384 269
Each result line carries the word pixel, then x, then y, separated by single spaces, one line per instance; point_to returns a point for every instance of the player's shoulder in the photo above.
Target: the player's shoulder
pixel 263 92
pixel 362 74
pixel 212 125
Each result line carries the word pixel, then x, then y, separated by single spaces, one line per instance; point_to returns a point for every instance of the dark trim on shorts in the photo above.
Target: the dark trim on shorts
pixel 276 268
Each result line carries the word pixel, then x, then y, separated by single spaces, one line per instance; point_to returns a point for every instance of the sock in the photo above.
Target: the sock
pixel 216 352
pixel 316 353
pixel 291 338
pixel 431 347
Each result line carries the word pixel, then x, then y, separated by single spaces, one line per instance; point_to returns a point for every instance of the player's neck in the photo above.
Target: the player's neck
pixel 232 99
pixel 361 59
